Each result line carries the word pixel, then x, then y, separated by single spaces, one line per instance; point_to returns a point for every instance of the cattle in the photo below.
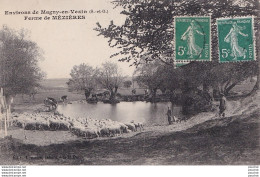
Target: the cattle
pixel 51 103
pixel 52 99
pixel 100 94
pixel 64 98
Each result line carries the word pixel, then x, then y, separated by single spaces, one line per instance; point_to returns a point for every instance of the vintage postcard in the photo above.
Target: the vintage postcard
pixel 117 82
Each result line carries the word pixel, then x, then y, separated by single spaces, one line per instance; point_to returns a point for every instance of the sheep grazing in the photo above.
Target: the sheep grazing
pixel 104 132
pixel 59 125
pixel 138 125
pixel 123 128
pixel 42 126
pixel 176 119
pixel 114 130
pixel 30 126
pixel 91 133
pixel 79 131
pixel 81 126
pixel 131 126
pixel 85 132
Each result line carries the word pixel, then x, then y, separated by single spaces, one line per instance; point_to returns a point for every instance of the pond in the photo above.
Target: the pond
pixel 145 112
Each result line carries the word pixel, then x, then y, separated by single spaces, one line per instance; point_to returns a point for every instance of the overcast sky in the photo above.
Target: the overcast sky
pixel 66 42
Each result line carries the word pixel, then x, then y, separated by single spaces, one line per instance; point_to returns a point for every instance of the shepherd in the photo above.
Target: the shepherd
pixel 222 105
pixel 169 115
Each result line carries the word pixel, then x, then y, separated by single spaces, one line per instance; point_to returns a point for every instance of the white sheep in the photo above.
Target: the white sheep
pixel 138 125
pixel 131 126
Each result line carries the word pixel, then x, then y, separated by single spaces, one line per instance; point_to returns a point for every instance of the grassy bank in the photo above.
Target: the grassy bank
pixel 231 143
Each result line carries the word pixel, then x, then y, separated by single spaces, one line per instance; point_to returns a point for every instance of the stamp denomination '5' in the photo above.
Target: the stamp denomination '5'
pixel 192 38
pixel 235 37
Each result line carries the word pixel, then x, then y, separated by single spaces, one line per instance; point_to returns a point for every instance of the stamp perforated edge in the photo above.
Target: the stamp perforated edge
pixel 180 62
pixel 210 46
pixel 254 39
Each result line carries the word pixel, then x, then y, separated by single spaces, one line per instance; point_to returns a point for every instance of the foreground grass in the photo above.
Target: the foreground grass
pixel 232 141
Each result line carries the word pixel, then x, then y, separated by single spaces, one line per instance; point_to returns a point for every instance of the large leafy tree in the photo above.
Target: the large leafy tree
pixel 220 76
pixel 127 83
pixel 147 76
pixel 170 78
pixel 19 57
pixel 110 78
pixel 83 77
pixel 148 32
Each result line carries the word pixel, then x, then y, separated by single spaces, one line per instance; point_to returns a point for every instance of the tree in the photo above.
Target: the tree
pixel 127 84
pixel 83 78
pixel 170 78
pixel 148 31
pixel 19 57
pixel 220 76
pixel 110 77
pixel 147 75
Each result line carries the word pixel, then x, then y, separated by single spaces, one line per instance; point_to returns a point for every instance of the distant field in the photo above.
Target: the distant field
pixel 54 83
pixel 52 93
pixel 54 88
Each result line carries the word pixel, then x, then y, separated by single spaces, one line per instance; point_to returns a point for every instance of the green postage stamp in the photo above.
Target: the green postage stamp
pixel 235 38
pixel 192 39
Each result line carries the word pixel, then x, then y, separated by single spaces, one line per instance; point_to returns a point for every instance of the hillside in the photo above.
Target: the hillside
pixel 54 83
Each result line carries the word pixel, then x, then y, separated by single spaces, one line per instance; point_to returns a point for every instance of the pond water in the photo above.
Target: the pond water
pixel 148 113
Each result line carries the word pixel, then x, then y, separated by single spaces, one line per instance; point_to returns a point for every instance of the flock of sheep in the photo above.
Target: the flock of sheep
pixel 82 127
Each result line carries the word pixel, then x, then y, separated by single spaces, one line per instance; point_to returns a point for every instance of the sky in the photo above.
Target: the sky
pixel 66 42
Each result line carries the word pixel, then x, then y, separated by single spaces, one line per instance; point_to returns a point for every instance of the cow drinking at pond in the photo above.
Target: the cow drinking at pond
pixel 51 103
pixel 64 98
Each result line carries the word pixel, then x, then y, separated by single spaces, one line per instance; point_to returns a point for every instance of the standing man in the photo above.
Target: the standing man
pixel 222 105
pixel 169 115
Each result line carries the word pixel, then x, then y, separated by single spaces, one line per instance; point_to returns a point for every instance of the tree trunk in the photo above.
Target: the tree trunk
pixel 112 97
pixel 153 95
pixel 227 90
pixel 87 93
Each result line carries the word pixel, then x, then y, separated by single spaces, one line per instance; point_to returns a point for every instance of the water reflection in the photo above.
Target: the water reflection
pixel 148 113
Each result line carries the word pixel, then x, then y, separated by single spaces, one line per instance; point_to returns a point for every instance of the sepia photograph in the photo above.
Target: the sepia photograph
pixel 120 82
